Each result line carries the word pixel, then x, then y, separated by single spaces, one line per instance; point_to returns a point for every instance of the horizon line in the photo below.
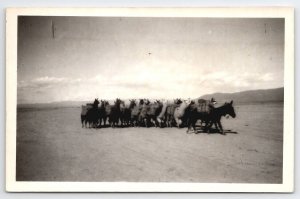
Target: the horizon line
pixel 62 101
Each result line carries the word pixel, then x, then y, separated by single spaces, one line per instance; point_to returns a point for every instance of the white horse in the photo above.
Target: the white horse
pixel 180 111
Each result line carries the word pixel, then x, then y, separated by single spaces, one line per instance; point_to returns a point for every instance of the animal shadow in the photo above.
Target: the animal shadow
pixel 215 131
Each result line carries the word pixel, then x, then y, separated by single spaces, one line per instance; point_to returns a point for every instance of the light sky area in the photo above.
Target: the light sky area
pixel 81 58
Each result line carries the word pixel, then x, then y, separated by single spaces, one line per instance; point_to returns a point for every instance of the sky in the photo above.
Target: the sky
pixel 81 58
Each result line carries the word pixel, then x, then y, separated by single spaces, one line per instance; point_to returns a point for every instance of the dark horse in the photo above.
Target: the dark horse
pixel 102 113
pixel 115 113
pixel 92 115
pixel 210 118
pixel 126 112
pixel 107 111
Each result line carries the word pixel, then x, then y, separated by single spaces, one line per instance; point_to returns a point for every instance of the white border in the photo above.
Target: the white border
pixel 249 12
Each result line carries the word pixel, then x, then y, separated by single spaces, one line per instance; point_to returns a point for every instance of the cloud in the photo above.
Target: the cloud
pixel 141 83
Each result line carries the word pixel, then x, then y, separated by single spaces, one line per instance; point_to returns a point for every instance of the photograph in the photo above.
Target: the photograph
pixel 169 98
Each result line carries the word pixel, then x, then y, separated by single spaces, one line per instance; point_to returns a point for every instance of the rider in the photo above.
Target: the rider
pixel 212 104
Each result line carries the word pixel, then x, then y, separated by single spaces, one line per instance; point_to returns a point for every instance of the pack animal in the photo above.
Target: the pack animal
pixel 92 115
pixel 212 117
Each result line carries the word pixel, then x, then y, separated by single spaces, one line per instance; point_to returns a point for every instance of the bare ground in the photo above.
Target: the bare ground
pixel 52 146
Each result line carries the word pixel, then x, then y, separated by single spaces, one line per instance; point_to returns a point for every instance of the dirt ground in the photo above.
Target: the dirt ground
pixel 52 146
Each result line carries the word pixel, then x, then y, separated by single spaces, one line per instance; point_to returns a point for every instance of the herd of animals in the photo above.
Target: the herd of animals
pixel 143 113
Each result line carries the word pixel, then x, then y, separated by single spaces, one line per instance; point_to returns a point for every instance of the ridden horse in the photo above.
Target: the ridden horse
pixel 135 111
pixel 212 117
pixel 115 113
pixel 180 112
pixel 92 115
pixel 153 111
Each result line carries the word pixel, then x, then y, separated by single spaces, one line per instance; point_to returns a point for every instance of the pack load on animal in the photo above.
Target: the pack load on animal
pixel 155 113
pixel 203 106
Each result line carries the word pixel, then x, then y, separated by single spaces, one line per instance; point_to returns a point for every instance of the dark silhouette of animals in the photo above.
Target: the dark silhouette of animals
pixel 135 112
pixel 125 116
pixel 92 115
pixel 210 117
pixel 107 108
pixel 153 111
pixel 161 118
pixel 115 113
pixel 102 113
pixel 84 110
pixel 143 120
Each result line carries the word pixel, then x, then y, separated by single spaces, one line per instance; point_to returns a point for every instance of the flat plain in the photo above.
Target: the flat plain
pixel 52 146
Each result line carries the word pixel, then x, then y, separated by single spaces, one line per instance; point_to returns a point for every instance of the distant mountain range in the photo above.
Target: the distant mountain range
pixel 251 96
pixel 245 97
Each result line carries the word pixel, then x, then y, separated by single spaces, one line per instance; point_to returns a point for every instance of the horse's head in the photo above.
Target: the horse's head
pixel 229 109
pixel 141 102
pixel 122 104
pixel 178 101
pixel 102 103
pixel 118 101
pixel 132 103
pixel 147 102
pixel 105 102
pixel 96 102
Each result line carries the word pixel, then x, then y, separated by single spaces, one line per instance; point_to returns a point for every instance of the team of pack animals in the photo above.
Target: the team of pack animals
pixel 143 113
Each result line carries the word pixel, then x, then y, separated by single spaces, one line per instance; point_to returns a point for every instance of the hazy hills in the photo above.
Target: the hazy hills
pixel 245 97
pixel 251 96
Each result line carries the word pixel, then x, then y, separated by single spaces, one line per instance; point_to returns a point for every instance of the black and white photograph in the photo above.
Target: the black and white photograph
pixel 152 99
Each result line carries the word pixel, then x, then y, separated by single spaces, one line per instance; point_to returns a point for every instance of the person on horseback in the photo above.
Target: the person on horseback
pixel 211 105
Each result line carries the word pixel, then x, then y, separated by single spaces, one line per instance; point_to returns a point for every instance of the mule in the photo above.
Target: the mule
pixel 143 116
pixel 153 111
pixel 135 112
pixel 107 109
pixel 115 113
pixel 180 113
pixel 102 113
pixel 125 113
pixel 92 115
pixel 169 115
pixel 161 118
pixel 212 117
pixel 84 110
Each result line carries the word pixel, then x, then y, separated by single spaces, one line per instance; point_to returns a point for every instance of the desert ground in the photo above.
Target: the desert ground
pixel 52 146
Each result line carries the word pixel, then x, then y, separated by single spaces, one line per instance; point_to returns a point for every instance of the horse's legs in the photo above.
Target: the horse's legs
pixel 189 125
pixel 216 126
pixel 221 128
pixel 100 121
pixel 82 120
pixel 153 121
pixel 178 122
pixel 122 121
pixel 208 126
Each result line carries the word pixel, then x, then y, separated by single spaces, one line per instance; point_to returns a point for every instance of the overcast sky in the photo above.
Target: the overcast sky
pixel 80 58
